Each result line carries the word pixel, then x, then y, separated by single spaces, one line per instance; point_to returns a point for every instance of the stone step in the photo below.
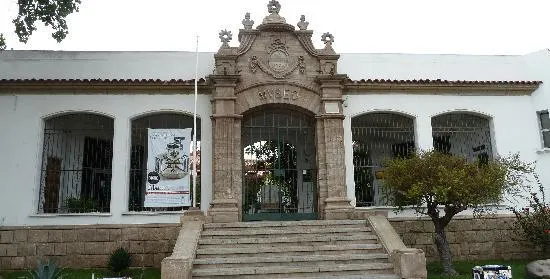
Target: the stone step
pixel 268 232
pixel 286 269
pixel 289 249
pixel 320 275
pixel 325 238
pixel 263 224
pixel 220 262
pixel 317 275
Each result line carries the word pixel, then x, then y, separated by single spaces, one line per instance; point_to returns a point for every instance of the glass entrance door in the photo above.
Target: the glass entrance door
pixel 279 179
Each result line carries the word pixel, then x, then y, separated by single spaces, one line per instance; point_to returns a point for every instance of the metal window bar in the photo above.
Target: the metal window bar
pixel 138 156
pixel 544 119
pixel 76 164
pixel 376 138
pixel 462 134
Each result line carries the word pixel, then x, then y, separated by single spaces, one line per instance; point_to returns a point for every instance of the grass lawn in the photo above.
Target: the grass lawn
pixel 465 268
pixel 148 273
pixel 434 271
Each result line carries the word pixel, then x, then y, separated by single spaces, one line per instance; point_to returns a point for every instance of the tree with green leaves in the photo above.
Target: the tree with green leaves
pixel 51 12
pixel 441 186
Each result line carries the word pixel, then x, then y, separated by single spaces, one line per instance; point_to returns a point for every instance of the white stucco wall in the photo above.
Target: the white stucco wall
pixel 514 122
pixel 22 132
pixel 514 127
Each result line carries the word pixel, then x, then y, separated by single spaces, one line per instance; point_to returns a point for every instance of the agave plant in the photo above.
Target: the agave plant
pixel 46 270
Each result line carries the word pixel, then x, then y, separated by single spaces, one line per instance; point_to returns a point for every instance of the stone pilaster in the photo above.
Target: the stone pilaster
pixel 332 168
pixel 226 165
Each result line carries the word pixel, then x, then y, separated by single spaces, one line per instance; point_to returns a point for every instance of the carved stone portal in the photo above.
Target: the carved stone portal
pixel 287 72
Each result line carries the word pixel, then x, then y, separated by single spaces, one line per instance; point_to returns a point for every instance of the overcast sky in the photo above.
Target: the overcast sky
pixel 377 26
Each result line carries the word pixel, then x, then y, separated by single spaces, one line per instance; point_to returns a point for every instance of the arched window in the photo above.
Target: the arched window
pixel 377 137
pixel 462 134
pixel 76 164
pixel 161 159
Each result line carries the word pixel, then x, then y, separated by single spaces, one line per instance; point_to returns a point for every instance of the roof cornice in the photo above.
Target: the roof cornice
pixel 438 86
pixel 102 86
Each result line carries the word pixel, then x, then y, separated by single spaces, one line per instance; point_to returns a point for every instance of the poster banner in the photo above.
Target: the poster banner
pixel 168 173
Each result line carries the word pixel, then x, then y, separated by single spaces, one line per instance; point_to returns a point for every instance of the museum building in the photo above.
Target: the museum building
pixel 285 131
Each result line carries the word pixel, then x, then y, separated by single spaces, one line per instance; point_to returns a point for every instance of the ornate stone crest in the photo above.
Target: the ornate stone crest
pixel 278 58
pixel 278 62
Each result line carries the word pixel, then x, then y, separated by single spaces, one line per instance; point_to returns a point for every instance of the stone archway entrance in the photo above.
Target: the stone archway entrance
pixel 276 68
pixel 279 165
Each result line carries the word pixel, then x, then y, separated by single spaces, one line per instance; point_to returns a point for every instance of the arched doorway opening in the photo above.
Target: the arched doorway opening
pixel 279 165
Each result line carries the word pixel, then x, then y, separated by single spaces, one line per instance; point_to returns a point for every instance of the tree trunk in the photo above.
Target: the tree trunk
pixel 444 250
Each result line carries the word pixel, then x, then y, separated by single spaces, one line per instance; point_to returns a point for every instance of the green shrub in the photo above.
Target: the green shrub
pixel 533 223
pixel 119 260
pixel 45 270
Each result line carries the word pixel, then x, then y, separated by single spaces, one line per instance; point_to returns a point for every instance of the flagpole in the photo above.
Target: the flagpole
pixel 195 126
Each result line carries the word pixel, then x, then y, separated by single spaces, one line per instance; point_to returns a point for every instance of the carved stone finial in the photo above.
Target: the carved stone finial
pixel 273 7
pixel 225 37
pixel 302 24
pixel 247 22
pixel 327 38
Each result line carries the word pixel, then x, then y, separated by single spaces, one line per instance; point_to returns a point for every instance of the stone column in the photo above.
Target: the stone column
pixel 226 150
pixel 332 169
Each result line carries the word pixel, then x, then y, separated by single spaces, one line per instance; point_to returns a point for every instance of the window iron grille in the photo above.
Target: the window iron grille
pixel 76 164
pixel 139 151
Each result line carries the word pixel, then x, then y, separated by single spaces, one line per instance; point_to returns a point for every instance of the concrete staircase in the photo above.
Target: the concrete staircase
pixel 297 249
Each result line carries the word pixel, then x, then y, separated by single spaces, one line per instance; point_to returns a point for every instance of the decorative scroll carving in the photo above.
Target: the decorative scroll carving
pixel 246 38
pixel 305 39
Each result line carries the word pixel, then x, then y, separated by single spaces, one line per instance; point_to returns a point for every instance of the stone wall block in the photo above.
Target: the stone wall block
pixel 86 235
pixel 27 249
pixel 21 235
pixel 6 236
pixel 55 236
pixel 38 236
pixel 424 239
pixel 157 259
pixel 95 248
pixel 5 263
pixel 131 234
pixel 60 249
pixel 11 250
pixel 93 260
pixel 136 247
pixel 101 235
pixel 17 263
pixel 115 234
pixel 44 249
pixel 69 236
pixel 75 248
pixel 142 260
pixel 3 248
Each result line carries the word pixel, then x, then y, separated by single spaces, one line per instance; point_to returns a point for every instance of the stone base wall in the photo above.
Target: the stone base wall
pixel 85 246
pixel 470 238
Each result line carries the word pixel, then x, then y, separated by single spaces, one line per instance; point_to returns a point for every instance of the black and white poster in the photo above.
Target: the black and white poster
pixel 168 174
